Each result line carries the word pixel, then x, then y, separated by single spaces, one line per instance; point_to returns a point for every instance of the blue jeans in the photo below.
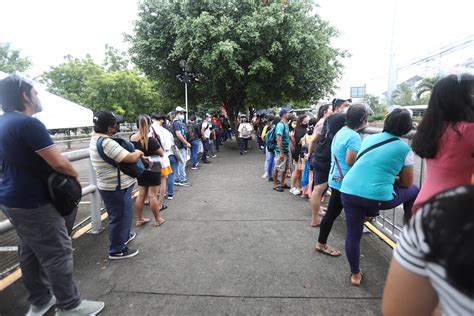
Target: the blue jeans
pixel 194 152
pixel 269 163
pixel 171 176
pixel 181 174
pixel 119 205
pixel 356 208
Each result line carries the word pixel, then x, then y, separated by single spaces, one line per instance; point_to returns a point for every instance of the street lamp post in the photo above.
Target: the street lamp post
pixel 185 78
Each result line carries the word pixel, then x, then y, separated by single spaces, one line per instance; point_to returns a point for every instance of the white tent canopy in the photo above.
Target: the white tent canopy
pixel 58 112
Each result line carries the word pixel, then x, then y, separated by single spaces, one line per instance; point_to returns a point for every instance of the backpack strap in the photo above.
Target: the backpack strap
pixel 100 150
pixel 338 167
pixel 376 145
pixel 155 135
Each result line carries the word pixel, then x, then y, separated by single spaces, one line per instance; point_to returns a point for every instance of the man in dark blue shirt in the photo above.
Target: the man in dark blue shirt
pixel 27 156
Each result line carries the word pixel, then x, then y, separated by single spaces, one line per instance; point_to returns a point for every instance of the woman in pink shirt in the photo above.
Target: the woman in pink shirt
pixel 445 137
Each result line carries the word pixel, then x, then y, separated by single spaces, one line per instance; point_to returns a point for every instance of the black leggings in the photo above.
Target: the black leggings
pixel 334 209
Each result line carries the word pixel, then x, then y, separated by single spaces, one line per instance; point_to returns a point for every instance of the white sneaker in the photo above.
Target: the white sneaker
pixel 85 308
pixel 264 176
pixel 296 191
pixel 36 310
pixel 292 190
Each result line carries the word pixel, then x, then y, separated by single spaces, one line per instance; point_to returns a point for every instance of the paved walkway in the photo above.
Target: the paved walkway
pixel 231 245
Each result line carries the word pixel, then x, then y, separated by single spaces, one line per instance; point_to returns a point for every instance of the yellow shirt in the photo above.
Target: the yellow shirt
pixel 264 132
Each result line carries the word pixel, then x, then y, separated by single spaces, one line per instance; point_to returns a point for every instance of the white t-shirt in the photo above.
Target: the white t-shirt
pixel 410 253
pixel 245 130
pixel 207 131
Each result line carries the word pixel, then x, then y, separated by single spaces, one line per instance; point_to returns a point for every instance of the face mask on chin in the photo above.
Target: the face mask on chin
pixel 36 102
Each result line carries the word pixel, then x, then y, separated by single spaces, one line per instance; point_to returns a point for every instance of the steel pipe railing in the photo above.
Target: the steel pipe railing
pixel 390 222
pixel 91 189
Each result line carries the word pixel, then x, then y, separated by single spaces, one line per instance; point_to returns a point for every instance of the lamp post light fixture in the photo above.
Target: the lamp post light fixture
pixel 185 78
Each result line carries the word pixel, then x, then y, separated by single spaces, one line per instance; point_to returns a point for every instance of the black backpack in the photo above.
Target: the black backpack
pixel 134 170
pixel 172 130
pixel 65 193
pixel 332 125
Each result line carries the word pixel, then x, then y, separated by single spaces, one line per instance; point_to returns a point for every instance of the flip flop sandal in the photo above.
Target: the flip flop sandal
pixel 160 223
pixel 141 223
pixel 361 279
pixel 163 207
pixel 329 251
pixel 278 189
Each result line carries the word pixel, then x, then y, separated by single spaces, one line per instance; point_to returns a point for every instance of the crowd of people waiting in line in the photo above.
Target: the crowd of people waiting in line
pixel 432 264
pixel 376 173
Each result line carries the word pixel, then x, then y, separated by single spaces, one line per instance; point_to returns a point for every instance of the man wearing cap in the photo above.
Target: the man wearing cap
pixel 28 156
pixel 166 140
pixel 282 150
pixel 117 196
pixel 183 145
pixel 206 131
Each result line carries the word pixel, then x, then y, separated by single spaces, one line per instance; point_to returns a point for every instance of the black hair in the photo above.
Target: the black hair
pixel 338 102
pixel 322 111
pixel 356 116
pixel 192 117
pixel 11 93
pixel 398 122
pixel 448 225
pixel 290 122
pixel 450 102
pixel 300 119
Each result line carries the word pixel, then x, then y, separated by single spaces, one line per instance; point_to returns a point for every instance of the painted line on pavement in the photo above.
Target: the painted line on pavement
pixel 381 235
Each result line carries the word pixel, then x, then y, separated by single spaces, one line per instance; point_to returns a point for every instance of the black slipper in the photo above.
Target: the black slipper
pixel 163 207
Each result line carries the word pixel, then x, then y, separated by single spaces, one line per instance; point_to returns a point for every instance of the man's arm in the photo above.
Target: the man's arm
pixel 280 146
pixel 133 157
pixel 182 139
pixel 57 161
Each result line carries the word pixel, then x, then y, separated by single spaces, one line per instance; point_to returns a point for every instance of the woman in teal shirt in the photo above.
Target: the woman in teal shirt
pixel 344 148
pixel 382 178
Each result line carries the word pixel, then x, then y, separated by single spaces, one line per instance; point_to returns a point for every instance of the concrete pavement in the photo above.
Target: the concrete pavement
pixel 230 245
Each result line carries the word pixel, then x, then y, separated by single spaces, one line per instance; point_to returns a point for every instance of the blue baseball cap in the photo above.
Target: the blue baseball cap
pixel 283 111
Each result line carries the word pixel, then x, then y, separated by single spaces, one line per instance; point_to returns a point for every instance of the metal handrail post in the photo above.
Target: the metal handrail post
pixel 96 221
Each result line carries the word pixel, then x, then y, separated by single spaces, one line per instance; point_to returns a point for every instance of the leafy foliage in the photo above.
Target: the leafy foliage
pixel 248 53
pixel 111 86
pixel 424 87
pixel 378 108
pixel 10 59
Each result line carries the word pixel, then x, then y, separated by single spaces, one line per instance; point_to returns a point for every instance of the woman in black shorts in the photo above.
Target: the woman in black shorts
pixel 321 161
pixel 149 182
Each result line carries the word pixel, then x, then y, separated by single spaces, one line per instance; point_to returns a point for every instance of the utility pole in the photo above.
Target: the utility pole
pixel 393 70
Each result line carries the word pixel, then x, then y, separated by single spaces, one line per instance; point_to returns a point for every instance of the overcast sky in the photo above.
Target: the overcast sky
pixel 47 30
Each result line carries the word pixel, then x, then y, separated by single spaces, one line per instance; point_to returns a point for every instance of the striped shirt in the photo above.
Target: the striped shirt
pixel 410 253
pixel 107 179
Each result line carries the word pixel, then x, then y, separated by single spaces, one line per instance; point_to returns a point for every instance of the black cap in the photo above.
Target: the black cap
pixel 105 119
pixel 158 116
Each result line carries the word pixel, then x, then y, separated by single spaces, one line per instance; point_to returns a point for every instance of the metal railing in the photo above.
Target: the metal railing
pixel 390 222
pixel 95 200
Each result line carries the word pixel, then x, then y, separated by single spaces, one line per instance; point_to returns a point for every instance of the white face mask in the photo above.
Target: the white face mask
pixel 345 110
pixel 37 106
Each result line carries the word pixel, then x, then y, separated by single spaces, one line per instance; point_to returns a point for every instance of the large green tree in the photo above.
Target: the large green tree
pixel 11 60
pixel 109 86
pixel 246 53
